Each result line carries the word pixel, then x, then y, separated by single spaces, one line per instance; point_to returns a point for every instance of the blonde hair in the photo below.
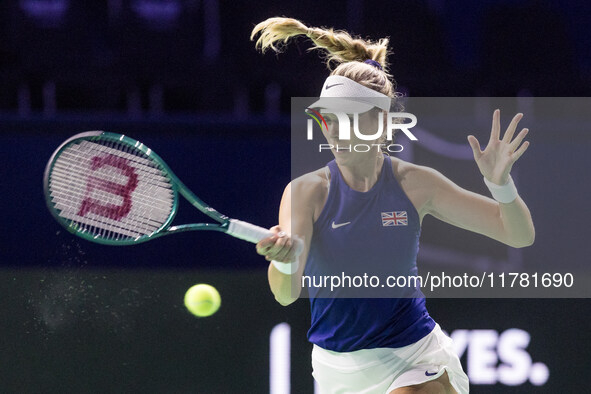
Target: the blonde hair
pixel 347 52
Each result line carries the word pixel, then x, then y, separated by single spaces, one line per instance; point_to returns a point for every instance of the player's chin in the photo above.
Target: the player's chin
pixel 350 157
pixel 342 153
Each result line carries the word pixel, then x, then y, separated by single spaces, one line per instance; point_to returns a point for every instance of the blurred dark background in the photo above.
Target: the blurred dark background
pixel 183 77
pixel 158 57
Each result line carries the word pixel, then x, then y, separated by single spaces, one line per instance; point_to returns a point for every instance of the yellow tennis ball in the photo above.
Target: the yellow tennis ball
pixel 202 300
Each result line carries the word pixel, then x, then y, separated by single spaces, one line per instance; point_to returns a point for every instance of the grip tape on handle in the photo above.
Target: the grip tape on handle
pixel 246 231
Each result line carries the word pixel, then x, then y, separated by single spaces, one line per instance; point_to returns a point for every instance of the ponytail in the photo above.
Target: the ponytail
pixel 362 61
pixel 339 45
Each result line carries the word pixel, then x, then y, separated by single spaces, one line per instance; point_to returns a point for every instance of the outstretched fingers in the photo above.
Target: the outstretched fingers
pixel 512 127
pixel 517 154
pixel 517 141
pixel 495 131
pixel 475 145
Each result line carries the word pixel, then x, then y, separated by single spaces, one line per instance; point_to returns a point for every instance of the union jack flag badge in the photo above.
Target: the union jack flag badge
pixel 396 218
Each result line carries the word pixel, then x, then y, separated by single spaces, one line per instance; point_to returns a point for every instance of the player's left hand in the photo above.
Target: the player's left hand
pixel 498 157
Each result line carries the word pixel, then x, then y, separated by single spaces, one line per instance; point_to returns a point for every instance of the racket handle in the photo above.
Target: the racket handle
pixel 246 231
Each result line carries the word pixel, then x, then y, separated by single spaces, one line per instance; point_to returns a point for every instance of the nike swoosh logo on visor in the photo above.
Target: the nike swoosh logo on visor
pixel 431 374
pixel 334 225
pixel 332 86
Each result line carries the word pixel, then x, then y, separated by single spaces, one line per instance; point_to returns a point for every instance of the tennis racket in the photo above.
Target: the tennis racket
pixel 111 189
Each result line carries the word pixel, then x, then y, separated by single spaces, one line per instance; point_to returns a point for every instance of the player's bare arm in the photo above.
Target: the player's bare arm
pixel 301 203
pixel 510 223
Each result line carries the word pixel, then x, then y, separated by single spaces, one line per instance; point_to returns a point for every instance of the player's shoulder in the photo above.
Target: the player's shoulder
pixel 420 183
pixel 312 184
pixel 412 173
pixel 310 191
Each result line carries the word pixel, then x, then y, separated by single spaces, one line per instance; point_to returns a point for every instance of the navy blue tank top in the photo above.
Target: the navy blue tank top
pixel 380 238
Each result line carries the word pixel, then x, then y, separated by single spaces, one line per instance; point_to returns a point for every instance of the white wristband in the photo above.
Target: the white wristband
pixel 506 193
pixel 286 268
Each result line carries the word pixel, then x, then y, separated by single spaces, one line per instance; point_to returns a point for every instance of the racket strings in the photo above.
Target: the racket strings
pixel 71 162
pixel 72 211
pixel 114 200
pixel 111 190
pixel 162 194
pixel 74 195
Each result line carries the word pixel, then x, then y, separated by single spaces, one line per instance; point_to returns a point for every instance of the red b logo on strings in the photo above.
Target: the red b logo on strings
pixel 111 211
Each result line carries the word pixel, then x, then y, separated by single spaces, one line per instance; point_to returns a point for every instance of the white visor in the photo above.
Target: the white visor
pixel 341 94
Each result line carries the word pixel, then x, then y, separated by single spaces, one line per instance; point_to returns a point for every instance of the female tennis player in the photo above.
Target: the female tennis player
pixel 383 345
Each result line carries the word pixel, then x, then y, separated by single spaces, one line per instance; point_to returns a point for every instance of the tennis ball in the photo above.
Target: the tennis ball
pixel 202 300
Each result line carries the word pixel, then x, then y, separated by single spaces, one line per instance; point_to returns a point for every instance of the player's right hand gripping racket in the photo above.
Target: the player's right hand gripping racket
pixel 111 189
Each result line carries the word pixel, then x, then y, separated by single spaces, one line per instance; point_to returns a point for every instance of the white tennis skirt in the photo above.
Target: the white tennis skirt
pixel 382 370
